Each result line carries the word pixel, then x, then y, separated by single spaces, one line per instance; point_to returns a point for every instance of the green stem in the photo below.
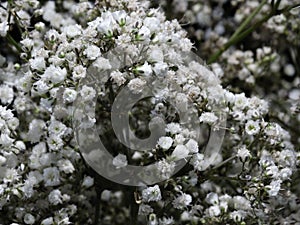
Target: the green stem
pixel 248 20
pixel 240 34
pixel 12 41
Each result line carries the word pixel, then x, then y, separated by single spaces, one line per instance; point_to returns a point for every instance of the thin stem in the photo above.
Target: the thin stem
pixel 248 20
pixel 240 34
pixel 12 41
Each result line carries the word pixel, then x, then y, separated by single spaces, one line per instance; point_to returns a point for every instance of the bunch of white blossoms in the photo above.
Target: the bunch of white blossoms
pixel 43 178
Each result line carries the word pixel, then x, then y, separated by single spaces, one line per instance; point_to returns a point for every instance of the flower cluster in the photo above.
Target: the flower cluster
pixel 55 52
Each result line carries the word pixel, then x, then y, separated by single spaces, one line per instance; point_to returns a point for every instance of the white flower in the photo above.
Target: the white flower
pixel 180 152
pixel 88 181
pixel 166 221
pixel 107 24
pixel 102 63
pixel 118 77
pixel 41 86
pixel 156 55
pixel 136 85
pixel 48 221
pixel 145 210
pixel 92 52
pixel 79 72
pixel 213 211
pixel 55 74
pixel 160 68
pixel 212 198
pixel 192 146
pixel 120 16
pixel 240 202
pixel 146 69
pixel 87 93
pixel 144 32
pixel 238 215
pixel 243 153
pixel 182 201
pixel 5 140
pixel 38 63
pixel 51 176
pixel 173 128
pixel 165 142
pixel 55 142
pixel 252 127
pixel 2 160
pixel 66 166
pixel 285 173
pixel 72 30
pixel 3 28
pixel 241 101
pixel 165 169
pixel 151 194
pixel 120 161
pixel 55 197
pixel 152 23
pixel 29 219
pixel 208 117
pixel 274 187
pixel 6 94
pixel 57 128
pixel 69 95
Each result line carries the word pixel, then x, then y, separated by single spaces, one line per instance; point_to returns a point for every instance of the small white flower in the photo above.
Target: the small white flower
pixel 87 93
pixel 55 142
pixel 92 52
pixel 38 63
pixel 180 152
pixel 274 187
pixel 146 69
pixel 152 24
pixel 72 30
pixel 79 72
pixel 192 146
pixel 182 201
pixel 212 198
pixel 243 153
pixel 118 77
pixel 107 24
pixel 136 85
pixel 151 194
pixel 165 169
pixel 47 221
pixel 285 173
pixel 102 63
pixel 66 166
pixel 55 74
pixel 120 161
pixel 252 127
pixel 208 117
pixel 55 197
pixel 3 28
pixel 173 128
pixel 6 94
pixel 88 181
pixel 165 142
pixel 29 219
pixel 213 211
pixel 144 32
pixel 69 95
pixel 5 140
pixel 51 176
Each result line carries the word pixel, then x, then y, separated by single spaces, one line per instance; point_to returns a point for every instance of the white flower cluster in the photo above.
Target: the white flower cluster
pixel 44 180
